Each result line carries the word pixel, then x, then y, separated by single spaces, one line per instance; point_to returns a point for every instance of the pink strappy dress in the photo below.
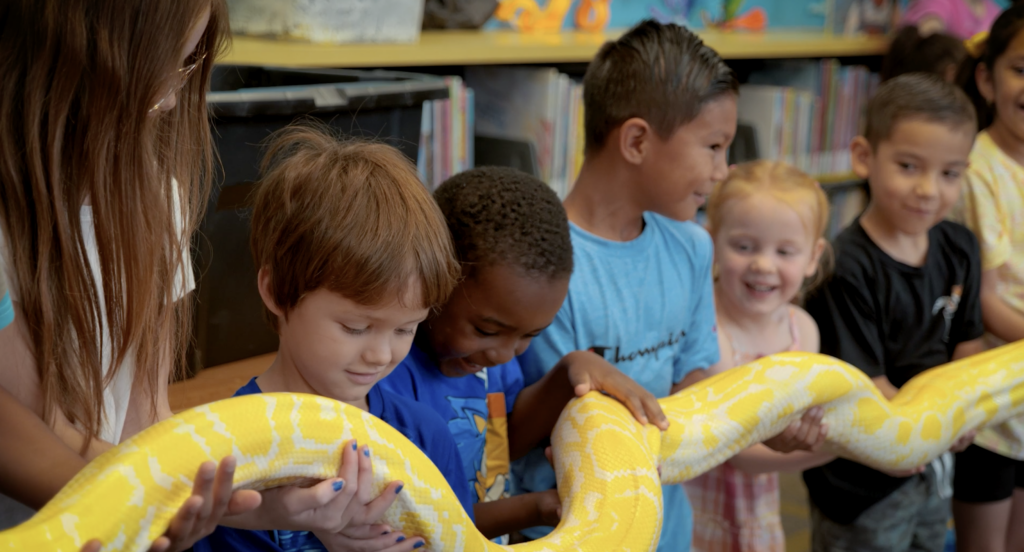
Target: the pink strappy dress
pixel 734 511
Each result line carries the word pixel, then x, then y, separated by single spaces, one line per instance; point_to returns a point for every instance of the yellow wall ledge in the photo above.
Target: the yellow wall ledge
pixel 506 47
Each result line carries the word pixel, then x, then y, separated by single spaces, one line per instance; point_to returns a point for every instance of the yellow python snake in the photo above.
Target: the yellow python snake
pixel 606 463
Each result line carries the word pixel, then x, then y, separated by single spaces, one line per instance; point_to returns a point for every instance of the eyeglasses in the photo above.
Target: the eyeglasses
pixel 183 74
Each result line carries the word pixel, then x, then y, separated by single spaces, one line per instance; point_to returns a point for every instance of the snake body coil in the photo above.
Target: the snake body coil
pixel 605 462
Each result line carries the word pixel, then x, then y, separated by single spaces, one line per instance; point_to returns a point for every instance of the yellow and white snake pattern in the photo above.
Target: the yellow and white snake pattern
pixel 606 463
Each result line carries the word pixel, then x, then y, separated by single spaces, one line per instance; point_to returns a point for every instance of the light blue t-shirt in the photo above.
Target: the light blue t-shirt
pixel 647 306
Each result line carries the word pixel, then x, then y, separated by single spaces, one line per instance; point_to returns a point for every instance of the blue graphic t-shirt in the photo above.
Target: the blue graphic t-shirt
pixel 476 409
pixel 646 306
pixel 418 423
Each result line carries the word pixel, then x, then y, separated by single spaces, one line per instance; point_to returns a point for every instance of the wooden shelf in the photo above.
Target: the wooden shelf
pixel 217 382
pixel 507 47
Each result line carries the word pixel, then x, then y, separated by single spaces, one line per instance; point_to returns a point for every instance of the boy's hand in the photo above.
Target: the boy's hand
pixel 322 507
pixel 369 538
pixel 211 500
pixel 549 507
pixel 807 433
pixel 589 372
pixel 692 377
pixel 964 441
pixel 91 546
pixel 366 509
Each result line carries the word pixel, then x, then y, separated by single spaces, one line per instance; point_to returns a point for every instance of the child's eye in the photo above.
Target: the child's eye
pixel 908 166
pixel 354 331
pixel 484 333
pixel 405 331
pixel 1019 70
pixel 951 175
pixel 786 252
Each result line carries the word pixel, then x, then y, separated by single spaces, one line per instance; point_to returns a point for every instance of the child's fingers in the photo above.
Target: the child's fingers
pixel 182 524
pixel 161 544
pixel 407 544
pixel 653 410
pixel 365 489
pixel 297 500
pixel 629 397
pixel 366 531
pixel 349 468
pixel 376 508
pixel 223 481
pixel 242 501
pixel 549 455
pixel 582 384
pixel 203 487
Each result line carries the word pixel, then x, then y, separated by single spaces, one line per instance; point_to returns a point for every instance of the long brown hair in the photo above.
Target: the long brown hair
pixel 77 80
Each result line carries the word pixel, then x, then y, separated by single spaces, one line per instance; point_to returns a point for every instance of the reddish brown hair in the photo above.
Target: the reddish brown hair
pixel 79 78
pixel 349 216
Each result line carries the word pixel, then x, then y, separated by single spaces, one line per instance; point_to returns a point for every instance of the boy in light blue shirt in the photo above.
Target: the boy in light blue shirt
pixel 660 114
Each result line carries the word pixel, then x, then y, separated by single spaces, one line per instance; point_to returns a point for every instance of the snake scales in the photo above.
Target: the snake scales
pixel 607 465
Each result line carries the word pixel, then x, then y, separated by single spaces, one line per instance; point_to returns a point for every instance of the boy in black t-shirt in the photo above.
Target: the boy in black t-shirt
pixel 904 298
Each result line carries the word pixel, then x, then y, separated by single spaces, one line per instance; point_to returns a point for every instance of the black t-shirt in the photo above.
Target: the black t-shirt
pixel 888 318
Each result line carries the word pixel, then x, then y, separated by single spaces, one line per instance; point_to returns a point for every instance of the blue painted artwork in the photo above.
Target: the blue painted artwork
pixel 782 14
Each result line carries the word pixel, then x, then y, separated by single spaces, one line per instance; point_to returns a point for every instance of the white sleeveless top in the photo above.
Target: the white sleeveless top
pixel 117 394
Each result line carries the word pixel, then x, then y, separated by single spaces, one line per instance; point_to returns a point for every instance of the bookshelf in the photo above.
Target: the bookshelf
pixel 447 48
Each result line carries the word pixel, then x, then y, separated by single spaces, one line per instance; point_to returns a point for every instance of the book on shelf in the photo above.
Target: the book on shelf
pixel 807 112
pixel 539 106
pixel 446 132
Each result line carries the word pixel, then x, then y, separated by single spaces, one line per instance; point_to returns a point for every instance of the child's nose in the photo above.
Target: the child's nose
pixel 762 263
pixel 502 354
pixel 377 353
pixel 926 185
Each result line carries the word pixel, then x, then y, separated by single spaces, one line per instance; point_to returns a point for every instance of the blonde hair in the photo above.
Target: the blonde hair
pixel 786 183
pixel 350 216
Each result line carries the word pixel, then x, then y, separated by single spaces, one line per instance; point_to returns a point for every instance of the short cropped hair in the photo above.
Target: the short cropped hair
pixel 663 74
pixel 916 95
pixel 348 216
pixel 501 216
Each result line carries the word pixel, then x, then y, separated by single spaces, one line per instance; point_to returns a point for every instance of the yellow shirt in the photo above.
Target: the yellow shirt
pixel 992 206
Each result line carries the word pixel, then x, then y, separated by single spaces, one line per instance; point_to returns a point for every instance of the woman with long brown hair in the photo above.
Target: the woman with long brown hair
pixel 105 154
pixel 105 161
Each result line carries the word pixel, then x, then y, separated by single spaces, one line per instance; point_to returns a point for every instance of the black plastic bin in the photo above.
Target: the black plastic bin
pixel 247 104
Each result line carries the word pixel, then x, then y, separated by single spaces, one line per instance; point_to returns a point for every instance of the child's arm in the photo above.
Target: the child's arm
pixel 966 349
pixel 761 459
pixel 516 513
pixel 1001 319
pixel 538 406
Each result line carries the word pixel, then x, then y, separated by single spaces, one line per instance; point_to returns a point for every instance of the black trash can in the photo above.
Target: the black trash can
pixel 247 104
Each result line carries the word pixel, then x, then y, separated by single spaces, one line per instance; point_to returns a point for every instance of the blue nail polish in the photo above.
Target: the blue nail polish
pixel 354 446
pixel 366 452
pixel 419 544
pixel 400 539
pixel 338 485
pixel 399 489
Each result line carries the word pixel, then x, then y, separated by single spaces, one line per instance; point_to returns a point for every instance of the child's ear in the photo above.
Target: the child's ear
pixel 635 140
pixel 819 249
pixel 986 85
pixel 860 156
pixel 263 281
